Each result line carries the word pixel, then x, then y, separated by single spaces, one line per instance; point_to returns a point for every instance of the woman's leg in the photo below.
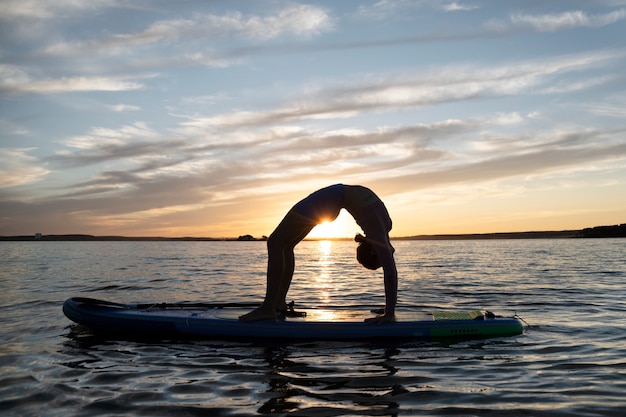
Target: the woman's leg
pixel 280 265
pixel 281 260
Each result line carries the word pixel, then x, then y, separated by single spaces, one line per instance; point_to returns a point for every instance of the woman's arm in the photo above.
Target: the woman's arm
pixel 385 254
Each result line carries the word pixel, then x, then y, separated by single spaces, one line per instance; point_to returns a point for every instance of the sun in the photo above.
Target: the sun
pixel 343 226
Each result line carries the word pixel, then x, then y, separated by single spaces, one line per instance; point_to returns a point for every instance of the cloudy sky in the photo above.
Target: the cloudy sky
pixel 198 118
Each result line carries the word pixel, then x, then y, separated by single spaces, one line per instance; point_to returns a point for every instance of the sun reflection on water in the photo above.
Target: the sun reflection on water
pixel 325 247
pixel 324 280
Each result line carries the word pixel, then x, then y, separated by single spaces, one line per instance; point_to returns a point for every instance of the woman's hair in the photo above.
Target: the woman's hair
pixel 365 253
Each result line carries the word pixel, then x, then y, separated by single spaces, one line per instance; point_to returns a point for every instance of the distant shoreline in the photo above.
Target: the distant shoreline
pixel 591 232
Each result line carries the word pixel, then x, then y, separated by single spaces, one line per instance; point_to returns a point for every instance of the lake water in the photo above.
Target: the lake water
pixel 571 360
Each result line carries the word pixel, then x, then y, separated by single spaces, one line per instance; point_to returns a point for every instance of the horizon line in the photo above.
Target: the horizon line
pixel 608 231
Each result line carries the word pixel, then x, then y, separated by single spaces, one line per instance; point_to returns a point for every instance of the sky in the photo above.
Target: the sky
pixel 212 118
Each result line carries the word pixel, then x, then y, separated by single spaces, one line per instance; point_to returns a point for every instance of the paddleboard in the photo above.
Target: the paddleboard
pixel 221 321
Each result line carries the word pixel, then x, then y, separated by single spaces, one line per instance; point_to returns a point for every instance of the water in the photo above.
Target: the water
pixel 571 360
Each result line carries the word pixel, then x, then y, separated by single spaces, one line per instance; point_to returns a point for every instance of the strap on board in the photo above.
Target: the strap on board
pixel 291 312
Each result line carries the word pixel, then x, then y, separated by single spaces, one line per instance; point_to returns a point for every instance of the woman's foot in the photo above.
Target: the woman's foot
pixel 260 313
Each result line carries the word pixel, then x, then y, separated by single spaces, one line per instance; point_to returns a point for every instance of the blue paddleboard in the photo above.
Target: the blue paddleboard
pixel 221 321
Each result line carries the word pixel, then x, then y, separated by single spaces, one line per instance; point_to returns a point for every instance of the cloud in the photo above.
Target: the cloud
pixel 164 177
pixel 567 20
pixel 392 92
pixel 19 168
pixel 44 9
pixel 610 107
pixel 135 143
pixel 556 21
pixel 21 83
pixel 154 163
pixel 385 9
pixel 258 149
pixel 99 136
pixel 121 108
pixel 571 86
pixel 458 7
pixel 294 20
pixel 198 38
pixel 566 151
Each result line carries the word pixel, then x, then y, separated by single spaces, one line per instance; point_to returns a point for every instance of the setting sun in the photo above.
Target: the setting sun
pixel 343 226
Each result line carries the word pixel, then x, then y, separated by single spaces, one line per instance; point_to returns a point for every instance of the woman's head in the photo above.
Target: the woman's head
pixel 365 253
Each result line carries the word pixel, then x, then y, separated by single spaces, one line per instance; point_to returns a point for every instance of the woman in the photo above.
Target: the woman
pixel 374 251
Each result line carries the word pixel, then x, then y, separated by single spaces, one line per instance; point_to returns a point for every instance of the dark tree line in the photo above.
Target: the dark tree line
pixel 605 231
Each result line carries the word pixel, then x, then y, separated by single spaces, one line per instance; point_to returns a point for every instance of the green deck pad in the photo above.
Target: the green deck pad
pixel 457 315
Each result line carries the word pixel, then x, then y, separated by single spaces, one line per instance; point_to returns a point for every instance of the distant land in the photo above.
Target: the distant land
pixel 590 232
